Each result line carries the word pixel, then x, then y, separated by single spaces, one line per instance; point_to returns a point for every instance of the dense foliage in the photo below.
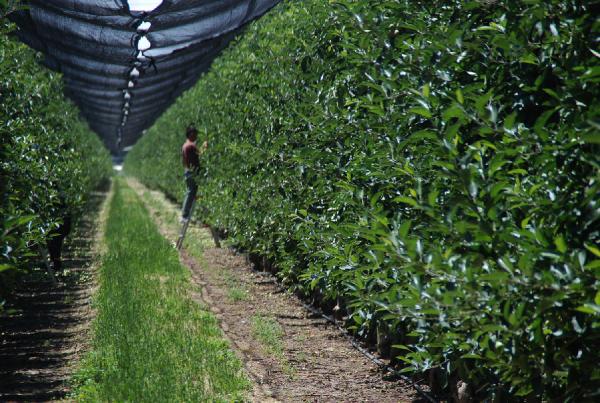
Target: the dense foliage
pixel 49 160
pixel 435 168
pixel 9 6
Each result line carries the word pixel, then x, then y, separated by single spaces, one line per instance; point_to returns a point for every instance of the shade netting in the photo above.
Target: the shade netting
pixel 123 68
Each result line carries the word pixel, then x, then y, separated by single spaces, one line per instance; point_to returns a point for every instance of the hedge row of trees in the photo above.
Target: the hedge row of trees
pixel 432 169
pixel 49 160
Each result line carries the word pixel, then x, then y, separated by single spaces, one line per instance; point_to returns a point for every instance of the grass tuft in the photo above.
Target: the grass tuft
pixel 269 333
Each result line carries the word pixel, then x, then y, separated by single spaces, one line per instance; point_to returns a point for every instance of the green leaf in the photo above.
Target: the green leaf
pixel 495 277
pixel 423 135
pixel 421 111
pixel 595 264
pixel 406 200
pixel 454 111
pixel 432 197
pixel 426 91
pixel 495 165
pixel 518 171
pixel 404 228
pixel 593 309
pixel 560 243
pixel 593 249
pixel 552 93
pixel 529 58
pixel 459 96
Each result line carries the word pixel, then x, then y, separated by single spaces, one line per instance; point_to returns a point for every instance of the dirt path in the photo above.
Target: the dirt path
pixel 290 354
pixel 45 328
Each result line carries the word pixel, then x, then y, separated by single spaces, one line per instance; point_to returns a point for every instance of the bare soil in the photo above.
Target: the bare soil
pixel 44 329
pixel 317 364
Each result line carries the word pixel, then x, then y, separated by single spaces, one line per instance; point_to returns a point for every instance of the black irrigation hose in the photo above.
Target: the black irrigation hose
pixel 361 349
pixel 367 354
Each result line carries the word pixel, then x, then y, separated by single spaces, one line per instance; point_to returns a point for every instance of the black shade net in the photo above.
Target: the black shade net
pixel 125 68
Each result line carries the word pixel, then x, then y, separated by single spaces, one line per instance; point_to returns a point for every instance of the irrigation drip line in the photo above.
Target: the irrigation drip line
pixel 367 354
pixel 361 349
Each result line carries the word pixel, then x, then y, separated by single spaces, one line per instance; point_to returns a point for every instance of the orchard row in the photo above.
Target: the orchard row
pixel 431 171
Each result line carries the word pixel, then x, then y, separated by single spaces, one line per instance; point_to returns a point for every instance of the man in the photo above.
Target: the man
pixel 191 163
pixel 56 238
pixel 57 234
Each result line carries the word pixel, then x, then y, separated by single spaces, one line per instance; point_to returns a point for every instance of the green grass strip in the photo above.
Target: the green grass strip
pixel 152 343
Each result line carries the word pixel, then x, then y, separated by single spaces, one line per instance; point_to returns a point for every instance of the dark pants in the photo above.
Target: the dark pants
pixel 55 241
pixel 190 194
